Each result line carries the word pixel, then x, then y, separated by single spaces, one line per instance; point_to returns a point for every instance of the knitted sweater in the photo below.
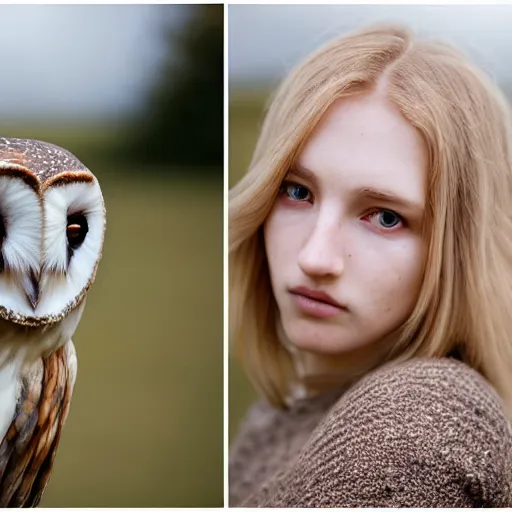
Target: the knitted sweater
pixel 426 433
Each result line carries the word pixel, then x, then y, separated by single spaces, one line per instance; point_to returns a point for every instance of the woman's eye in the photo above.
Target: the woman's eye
pixel 386 219
pixel 296 192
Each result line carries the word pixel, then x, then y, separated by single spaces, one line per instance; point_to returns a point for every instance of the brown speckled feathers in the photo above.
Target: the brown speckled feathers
pixel 42 159
pixel 28 449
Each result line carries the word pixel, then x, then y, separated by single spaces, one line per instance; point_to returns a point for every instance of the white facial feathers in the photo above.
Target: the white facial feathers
pixel 22 220
pixel 49 260
pixel 66 271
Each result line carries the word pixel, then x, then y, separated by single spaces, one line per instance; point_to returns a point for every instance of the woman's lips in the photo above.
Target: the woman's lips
pixel 316 303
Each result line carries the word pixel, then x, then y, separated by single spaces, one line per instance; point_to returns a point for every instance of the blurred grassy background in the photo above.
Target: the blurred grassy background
pixel 145 428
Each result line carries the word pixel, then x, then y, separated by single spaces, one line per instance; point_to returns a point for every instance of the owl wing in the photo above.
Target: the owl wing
pixel 28 450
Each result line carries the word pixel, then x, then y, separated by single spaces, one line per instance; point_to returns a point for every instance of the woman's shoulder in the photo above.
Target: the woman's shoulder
pixel 444 369
pixel 435 419
pixel 446 385
pixel 439 397
pixel 431 373
pixel 423 433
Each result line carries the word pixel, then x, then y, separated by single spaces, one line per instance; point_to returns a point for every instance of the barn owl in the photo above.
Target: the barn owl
pixel 52 224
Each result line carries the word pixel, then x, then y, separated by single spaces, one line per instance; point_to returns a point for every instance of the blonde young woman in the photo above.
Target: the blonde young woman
pixel 371 283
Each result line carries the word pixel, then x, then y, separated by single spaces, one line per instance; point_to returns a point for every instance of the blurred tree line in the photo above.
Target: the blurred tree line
pixel 182 122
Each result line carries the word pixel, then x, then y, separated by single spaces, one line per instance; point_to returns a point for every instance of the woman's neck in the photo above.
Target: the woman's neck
pixel 321 372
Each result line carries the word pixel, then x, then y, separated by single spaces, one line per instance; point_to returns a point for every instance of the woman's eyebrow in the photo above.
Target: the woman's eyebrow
pixel 390 197
pixel 302 172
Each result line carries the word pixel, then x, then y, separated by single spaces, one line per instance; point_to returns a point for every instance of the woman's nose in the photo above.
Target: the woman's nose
pixel 322 254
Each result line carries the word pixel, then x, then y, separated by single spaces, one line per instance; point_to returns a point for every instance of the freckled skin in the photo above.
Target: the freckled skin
pixel 328 243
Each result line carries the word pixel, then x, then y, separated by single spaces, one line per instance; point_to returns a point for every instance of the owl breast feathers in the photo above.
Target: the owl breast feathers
pixel 28 449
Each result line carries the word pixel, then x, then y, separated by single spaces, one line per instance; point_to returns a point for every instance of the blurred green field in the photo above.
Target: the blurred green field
pixel 246 113
pixel 145 425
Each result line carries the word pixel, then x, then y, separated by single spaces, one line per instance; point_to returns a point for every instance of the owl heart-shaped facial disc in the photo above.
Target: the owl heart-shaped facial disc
pixel 52 224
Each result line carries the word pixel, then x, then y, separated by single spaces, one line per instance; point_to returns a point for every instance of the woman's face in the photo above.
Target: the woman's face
pixel 344 239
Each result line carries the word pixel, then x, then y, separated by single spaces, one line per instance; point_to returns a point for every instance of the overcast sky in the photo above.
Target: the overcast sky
pixel 265 41
pixel 78 60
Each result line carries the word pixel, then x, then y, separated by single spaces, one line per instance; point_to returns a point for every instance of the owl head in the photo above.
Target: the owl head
pixel 52 225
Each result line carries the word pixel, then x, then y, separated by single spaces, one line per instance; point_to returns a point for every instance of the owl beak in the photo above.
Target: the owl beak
pixel 31 287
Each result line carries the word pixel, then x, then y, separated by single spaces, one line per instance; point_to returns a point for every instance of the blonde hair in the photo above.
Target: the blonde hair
pixel 465 303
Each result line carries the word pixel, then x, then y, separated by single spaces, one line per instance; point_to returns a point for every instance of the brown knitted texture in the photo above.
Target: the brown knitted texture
pixel 426 433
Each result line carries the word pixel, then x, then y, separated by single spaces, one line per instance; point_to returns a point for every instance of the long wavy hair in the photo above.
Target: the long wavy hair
pixel 465 302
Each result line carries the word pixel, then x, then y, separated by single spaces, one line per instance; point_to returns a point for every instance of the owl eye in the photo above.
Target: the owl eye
pixel 76 230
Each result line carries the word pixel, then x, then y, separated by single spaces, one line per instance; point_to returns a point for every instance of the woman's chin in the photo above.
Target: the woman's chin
pixel 320 340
